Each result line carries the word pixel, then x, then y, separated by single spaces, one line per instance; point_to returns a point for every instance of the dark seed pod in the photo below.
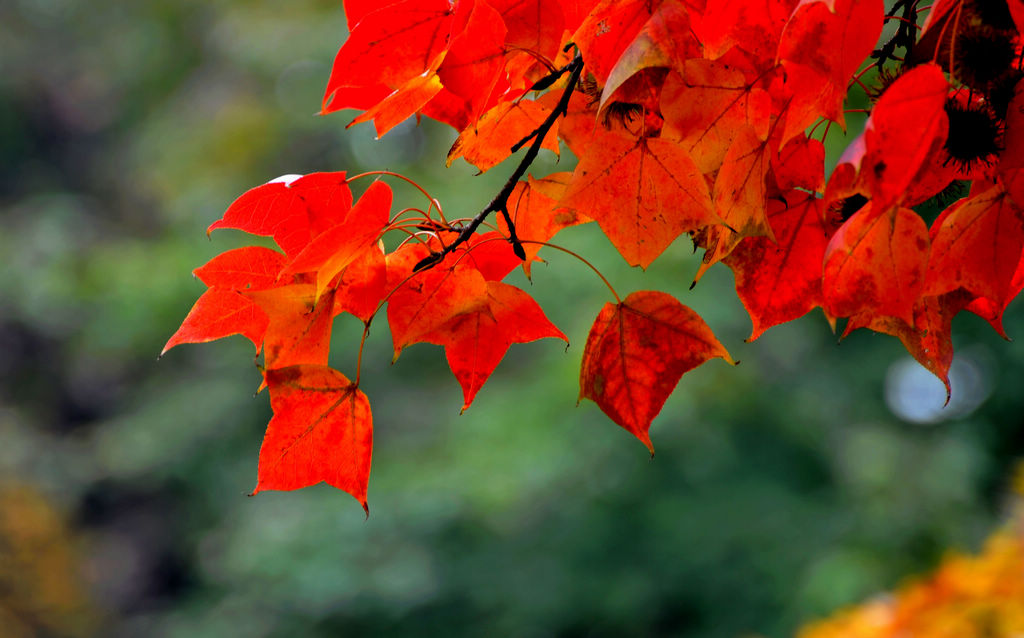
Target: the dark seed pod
pixel 991 13
pixel 975 134
pixel 983 54
pixel 1002 90
pixel 622 113
pixel 845 208
pixel 883 81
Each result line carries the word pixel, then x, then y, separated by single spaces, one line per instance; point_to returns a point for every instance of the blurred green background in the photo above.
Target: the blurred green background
pixel 809 477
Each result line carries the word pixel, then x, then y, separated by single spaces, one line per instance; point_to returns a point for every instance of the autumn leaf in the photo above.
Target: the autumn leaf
pixel 800 164
pixel 753 27
pixel 490 140
pixel 219 313
pixel 363 284
pixel 901 131
pixel 491 254
pixel 1011 164
pixel 977 245
pixel 475 58
pixel 333 250
pixel 875 264
pixel 535 26
pixel 389 47
pixel 740 192
pixel 536 214
pixel 299 329
pixel 928 337
pixel 636 353
pixel 424 301
pixel 476 341
pixel 390 111
pixel 642 192
pixel 291 210
pixel 322 430
pixel 780 281
pixel 247 268
pixel 665 40
pixel 705 108
pixel 821 47
pixel 606 32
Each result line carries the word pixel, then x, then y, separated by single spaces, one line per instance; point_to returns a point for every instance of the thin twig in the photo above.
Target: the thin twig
pixel 500 201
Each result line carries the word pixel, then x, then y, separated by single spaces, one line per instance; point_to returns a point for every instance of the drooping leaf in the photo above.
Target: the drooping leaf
pixel 643 192
pixel 740 193
pixel 476 341
pixel 977 245
pixel 780 281
pixel 875 264
pixel 322 430
pixel 740 197
pixel 636 353
pixel 928 338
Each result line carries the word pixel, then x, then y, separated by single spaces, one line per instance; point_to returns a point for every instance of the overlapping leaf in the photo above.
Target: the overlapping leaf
pixel 875 264
pixel 424 301
pixel 977 245
pixel 333 250
pixel 536 215
pixel 644 192
pixel 780 281
pixel 292 210
pixel 822 45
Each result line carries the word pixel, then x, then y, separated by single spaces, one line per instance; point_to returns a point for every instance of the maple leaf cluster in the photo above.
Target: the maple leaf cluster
pixel 687 117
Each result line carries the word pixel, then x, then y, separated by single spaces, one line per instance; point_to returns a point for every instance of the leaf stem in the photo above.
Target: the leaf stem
pixel 433 202
pixel 362 344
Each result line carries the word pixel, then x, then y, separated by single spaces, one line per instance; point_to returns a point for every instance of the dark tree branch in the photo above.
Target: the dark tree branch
pixel 906 33
pixel 500 201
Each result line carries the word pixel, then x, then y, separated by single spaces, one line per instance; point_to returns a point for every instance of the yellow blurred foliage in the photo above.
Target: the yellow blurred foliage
pixel 40 584
pixel 967 597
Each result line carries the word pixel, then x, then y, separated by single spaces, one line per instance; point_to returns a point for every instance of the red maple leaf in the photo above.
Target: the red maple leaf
pixel 636 353
pixel 322 430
